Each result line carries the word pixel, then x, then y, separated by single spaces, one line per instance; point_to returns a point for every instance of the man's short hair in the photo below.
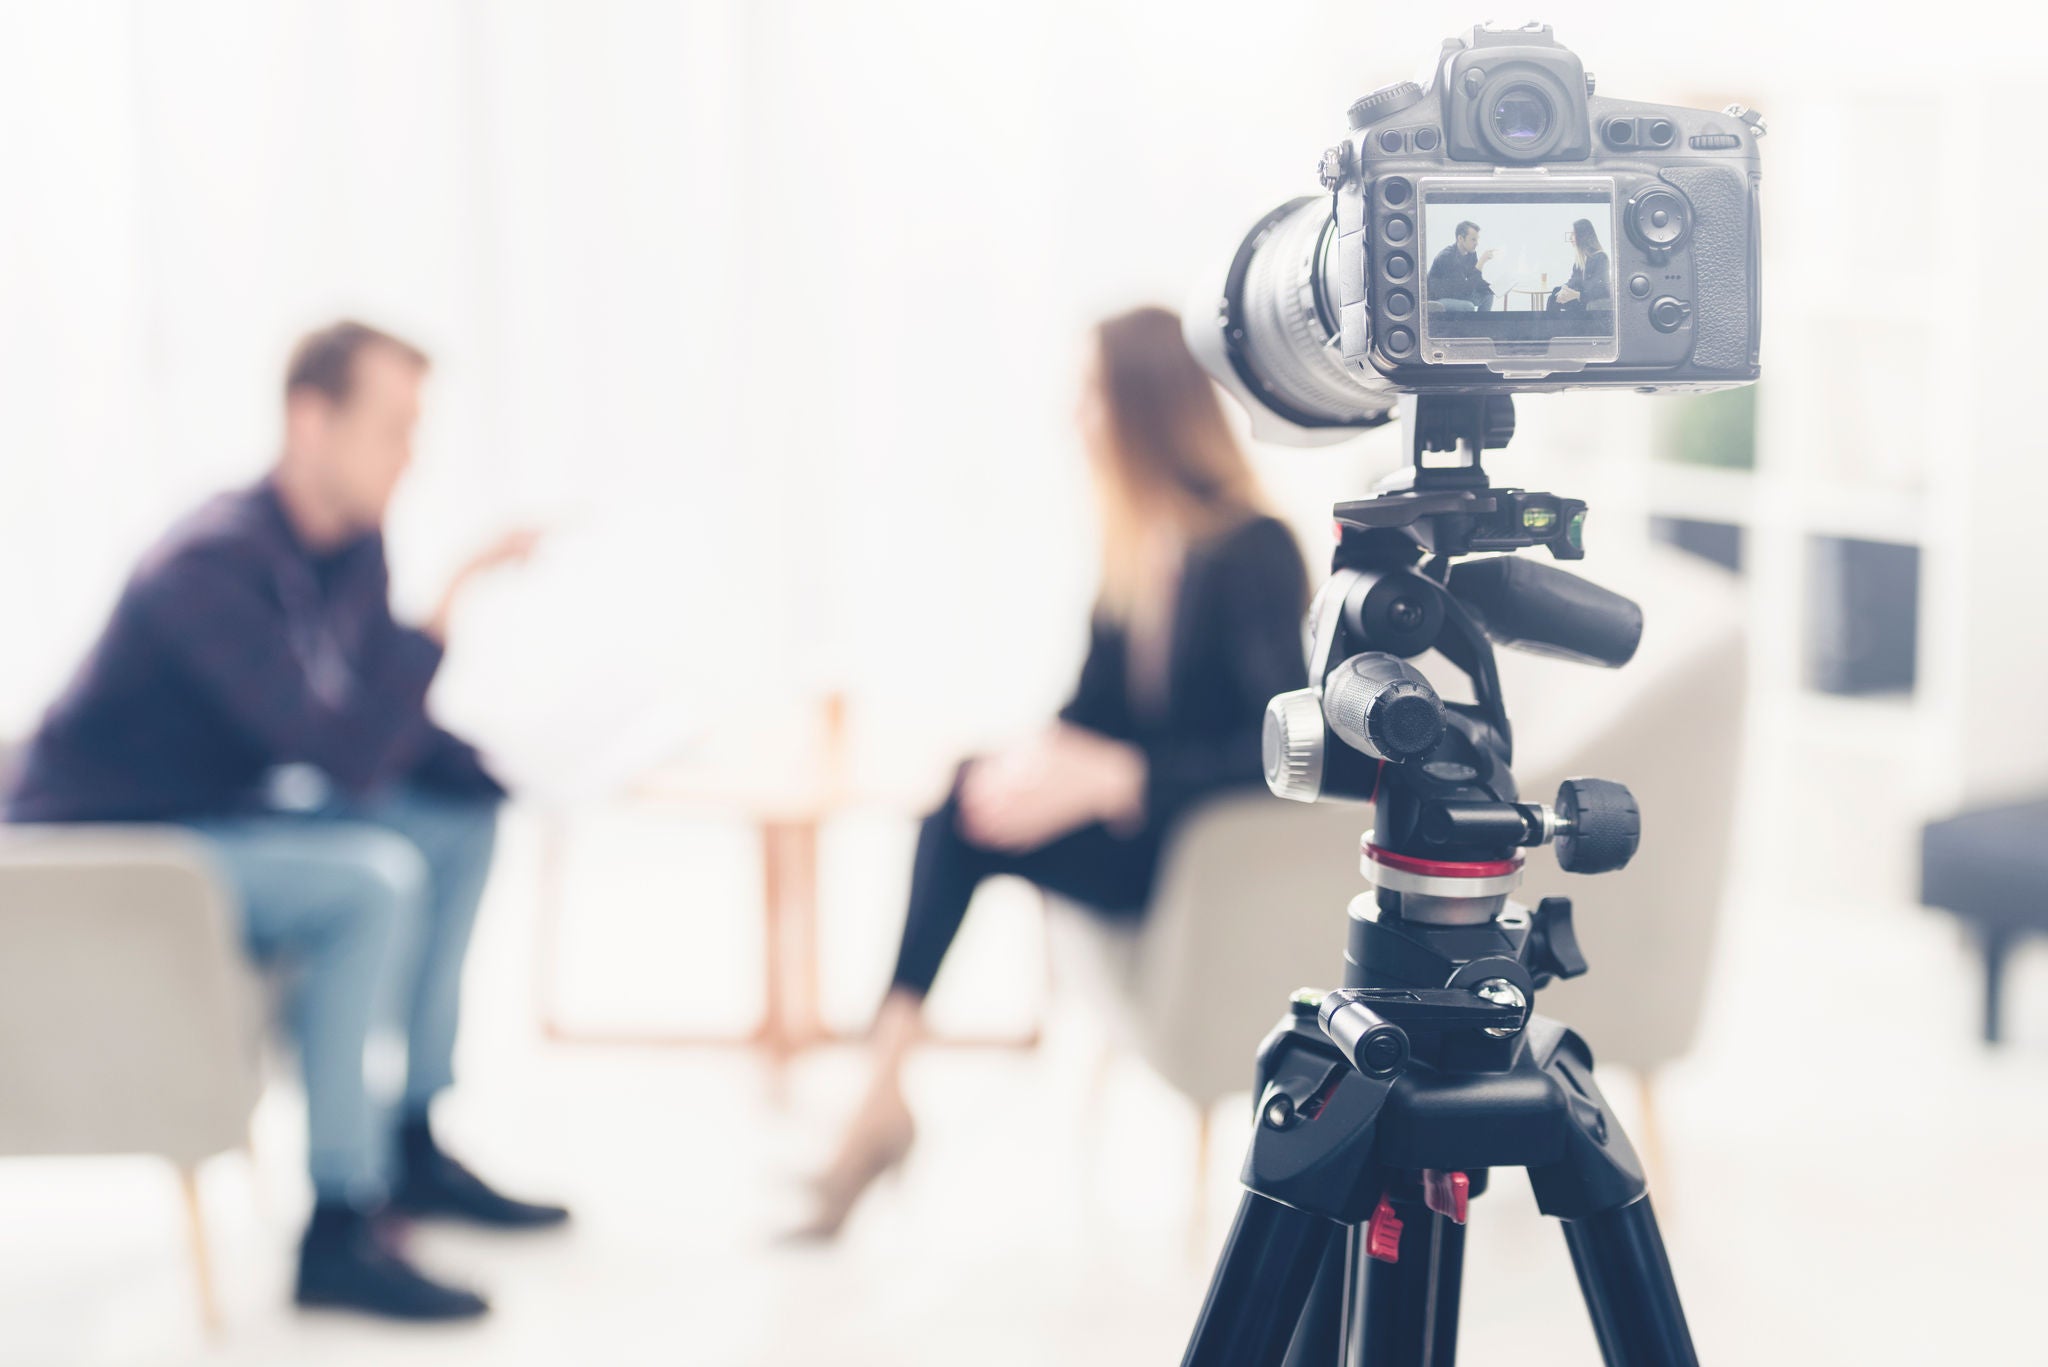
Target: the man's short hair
pixel 324 361
pixel 1468 226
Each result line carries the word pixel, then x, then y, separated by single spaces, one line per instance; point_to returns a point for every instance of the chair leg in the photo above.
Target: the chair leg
pixel 259 1197
pixel 1650 1133
pixel 202 1257
pixel 1995 950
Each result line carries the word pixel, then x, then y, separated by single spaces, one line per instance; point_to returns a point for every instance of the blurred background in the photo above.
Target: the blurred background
pixel 773 312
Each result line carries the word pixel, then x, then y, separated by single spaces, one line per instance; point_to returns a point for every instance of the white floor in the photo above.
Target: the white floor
pixel 1852 1179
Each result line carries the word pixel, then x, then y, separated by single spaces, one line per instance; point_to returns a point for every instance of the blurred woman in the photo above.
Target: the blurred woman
pixel 1196 625
pixel 1591 285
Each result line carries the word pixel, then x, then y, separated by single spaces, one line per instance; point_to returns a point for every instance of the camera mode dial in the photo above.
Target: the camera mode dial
pixel 1388 99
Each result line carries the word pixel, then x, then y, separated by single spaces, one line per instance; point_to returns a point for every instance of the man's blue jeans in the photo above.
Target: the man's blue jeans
pixel 369 905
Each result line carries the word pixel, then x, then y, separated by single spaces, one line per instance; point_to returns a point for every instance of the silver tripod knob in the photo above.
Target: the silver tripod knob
pixel 1293 745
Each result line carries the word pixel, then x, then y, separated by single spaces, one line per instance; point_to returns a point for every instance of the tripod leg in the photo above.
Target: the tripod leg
pixel 1410 1315
pixel 1596 1188
pixel 1319 1338
pixel 1626 1278
pixel 1260 1291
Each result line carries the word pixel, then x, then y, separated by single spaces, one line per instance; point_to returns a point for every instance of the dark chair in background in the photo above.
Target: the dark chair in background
pixel 1990 869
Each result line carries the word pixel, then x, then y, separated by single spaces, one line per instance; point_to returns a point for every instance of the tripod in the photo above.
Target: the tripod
pixel 1381 1106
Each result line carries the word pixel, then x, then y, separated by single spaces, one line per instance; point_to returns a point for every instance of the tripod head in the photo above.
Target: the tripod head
pixel 1451 826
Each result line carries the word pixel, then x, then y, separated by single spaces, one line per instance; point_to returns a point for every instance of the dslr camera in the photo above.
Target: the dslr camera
pixel 1499 228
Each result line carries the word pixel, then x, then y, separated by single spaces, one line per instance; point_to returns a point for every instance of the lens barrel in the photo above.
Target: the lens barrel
pixel 1273 344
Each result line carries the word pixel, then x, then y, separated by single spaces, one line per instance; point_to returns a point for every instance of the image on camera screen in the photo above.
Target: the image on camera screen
pixel 1519 266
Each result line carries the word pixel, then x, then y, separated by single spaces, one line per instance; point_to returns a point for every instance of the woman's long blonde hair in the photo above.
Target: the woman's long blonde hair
pixel 1169 453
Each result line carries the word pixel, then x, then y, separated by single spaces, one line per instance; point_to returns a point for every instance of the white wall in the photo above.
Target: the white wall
pixel 773 308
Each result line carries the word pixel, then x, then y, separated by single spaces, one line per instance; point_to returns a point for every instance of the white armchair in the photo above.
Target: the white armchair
pixel 128 1019
pixel 1252 894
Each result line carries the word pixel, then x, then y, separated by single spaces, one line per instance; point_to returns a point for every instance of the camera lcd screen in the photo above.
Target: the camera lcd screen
pixel 1507 267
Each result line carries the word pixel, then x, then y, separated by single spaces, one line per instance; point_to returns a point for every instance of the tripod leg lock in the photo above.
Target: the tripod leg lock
pixel 1449 1194
pixel 1445 1193
pixel 1383 1233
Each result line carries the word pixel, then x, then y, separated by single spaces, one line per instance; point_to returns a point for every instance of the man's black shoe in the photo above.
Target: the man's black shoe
pixel 436 1184
pixel 346 1262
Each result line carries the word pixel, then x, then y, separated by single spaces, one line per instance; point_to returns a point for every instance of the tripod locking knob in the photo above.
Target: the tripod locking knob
pixel 1598 825
pixel 1381 705
pixel 1293 745
pixel 1375 1045
pixel 1554 946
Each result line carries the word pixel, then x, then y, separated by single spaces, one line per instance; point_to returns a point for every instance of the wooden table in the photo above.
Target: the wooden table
pixel 788 798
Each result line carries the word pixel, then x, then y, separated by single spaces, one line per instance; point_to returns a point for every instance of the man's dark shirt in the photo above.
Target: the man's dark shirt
pixel 1455 275
pixel 234 649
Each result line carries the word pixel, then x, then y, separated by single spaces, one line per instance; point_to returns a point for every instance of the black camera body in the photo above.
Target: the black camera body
pixel 1629 231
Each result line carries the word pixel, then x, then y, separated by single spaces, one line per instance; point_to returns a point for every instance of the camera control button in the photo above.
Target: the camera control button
pixel 1425 139
pixel 1657 218
pixel 1399 340
pixel 1669 314
pixel 1639 286
pixel 1398 228
pixel 1400 303
pixel 1399 266
pixel 1390 140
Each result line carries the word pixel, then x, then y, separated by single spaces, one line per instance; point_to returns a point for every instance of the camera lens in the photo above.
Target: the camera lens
pixel 1289 314
pixel 1522 116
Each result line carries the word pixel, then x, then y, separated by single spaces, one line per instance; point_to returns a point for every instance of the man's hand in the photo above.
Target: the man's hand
pixel 1488 255
pixel 1066 778
pixel 512 548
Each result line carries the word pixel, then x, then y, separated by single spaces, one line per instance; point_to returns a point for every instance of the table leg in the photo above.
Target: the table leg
pixel 792 1012
pixel 789 851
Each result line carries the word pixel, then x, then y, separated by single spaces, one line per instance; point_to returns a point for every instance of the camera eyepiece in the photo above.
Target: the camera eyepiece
pixel 1522 116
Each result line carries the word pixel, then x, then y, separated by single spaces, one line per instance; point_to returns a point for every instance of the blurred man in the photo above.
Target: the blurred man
pixel 1455 280
pixel 253 685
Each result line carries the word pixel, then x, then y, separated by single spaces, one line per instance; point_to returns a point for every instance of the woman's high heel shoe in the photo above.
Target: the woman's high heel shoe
pixel 839 1188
